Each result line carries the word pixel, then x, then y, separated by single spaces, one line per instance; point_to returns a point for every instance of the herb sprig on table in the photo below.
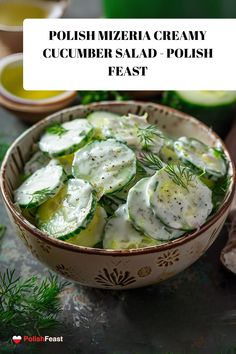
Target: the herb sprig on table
pixel 28 305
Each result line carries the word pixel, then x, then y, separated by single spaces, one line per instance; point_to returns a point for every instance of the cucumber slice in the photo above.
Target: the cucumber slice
pixel 92 235
pixel 40 186
pixel 69 212
pixel 215 108
pixel 108 165
pixel 122 128
pixel 64 139
pixel 208 98
pixel 102 119
pixel 119 233
pixel 179 199
pixel 37 161
pixel 201 157
pixel 142 216
pixel 108 125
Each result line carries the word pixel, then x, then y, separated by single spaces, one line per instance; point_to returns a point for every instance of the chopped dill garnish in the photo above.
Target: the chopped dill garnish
pixel 180 175
pixel 147 135
pixel 150 160
pixel 56 129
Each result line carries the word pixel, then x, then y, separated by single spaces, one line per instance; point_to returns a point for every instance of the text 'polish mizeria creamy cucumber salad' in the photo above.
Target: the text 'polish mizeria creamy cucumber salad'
pixel 118 182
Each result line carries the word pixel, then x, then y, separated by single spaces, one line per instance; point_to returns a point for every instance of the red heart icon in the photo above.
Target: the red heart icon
pixel 16 339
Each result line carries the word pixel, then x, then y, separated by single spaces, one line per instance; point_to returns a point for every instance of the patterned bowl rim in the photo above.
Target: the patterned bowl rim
pixel 97 251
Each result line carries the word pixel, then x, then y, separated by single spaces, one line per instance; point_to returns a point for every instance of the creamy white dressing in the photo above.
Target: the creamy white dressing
pixel 142 215
pixel 158 209
pixel 107 165
pixel 74 210
pixel 200 155
pixel 178 207
pixel 120 233
pixel 123 128
pixel 42 183
pixel 76 133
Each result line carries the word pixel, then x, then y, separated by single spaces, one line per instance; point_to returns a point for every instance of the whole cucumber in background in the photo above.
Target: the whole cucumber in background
pixel 214 108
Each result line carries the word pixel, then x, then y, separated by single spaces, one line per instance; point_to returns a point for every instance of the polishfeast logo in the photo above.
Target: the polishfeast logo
pixel 35 339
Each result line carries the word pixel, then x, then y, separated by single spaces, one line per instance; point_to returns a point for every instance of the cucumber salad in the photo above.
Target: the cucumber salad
pixel 118 182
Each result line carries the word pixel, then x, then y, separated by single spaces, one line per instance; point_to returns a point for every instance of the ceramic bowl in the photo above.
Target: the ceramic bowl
pixel 116 269
pixel 11 37
pixel 29 110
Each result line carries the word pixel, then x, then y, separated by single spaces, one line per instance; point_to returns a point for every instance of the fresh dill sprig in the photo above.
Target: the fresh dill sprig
pixel 56 129
pixel 150 160
pixel 28 305
pixel 148 135
pixel 180 175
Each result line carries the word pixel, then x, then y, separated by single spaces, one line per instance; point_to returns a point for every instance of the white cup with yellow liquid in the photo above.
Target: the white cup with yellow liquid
pixel 13 13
